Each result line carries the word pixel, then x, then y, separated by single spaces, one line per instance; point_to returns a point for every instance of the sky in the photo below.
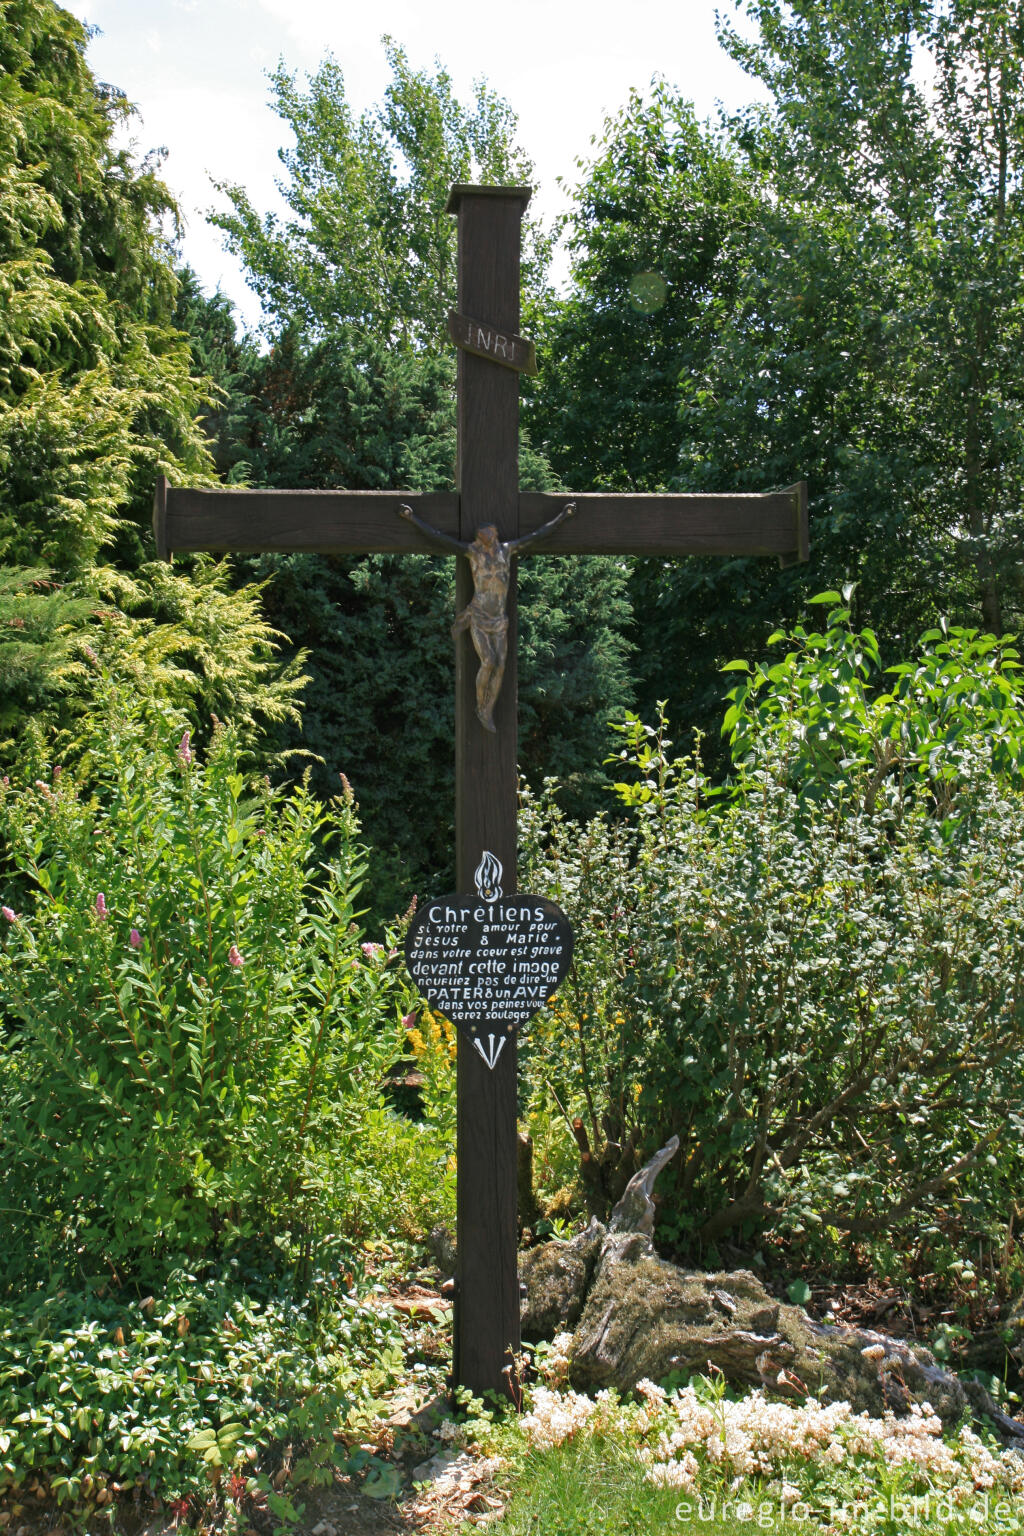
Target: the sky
pixel 197 72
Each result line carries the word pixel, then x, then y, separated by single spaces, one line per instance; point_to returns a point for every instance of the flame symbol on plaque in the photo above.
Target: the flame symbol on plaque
pixel 491 1055
pixel 488 878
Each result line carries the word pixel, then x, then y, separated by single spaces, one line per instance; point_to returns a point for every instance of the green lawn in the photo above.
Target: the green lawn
pixel 596 1487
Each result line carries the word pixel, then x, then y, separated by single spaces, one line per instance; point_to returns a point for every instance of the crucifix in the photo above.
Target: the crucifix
pixel 490 523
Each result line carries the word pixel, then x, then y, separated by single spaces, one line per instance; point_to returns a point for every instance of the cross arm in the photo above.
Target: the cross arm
pixel 432 535
pixel 770 523
pixel 289 522
pixel 366 522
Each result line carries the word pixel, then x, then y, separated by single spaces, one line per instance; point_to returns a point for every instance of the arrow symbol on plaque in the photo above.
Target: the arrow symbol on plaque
pixel 490 1055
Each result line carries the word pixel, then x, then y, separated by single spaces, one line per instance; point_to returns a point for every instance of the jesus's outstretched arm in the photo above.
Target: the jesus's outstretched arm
pixel 443 540
pixel 517 546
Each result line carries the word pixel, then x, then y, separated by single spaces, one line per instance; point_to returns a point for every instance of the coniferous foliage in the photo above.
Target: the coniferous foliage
pixel 97 397
pixel 95 383
pixel 230 358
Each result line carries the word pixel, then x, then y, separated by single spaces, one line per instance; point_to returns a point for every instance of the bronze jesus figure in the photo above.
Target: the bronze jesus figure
pixel 485 616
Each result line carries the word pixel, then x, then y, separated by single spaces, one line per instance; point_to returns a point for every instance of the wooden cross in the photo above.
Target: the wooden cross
pixel 486 1329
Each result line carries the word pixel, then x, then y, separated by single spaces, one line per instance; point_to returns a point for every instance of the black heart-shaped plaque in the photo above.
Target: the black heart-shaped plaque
pixel 488 962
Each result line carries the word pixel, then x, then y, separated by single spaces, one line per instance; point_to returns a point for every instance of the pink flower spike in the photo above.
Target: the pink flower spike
pixel 10 914
pixel 409 1019
pixel 135 939
pixel 234 958
pixel 371 950
pixel 101 905
pixel 184 750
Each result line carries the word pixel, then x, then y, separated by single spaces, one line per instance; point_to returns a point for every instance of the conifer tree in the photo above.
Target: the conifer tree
pixel 97 397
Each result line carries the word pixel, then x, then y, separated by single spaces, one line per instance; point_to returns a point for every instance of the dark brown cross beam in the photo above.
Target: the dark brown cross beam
pixel 364 522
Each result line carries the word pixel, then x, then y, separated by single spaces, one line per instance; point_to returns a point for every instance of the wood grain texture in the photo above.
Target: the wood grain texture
pixel 366 522
pixel 487 1293
pixel 774 523
pixel 314 522
pixel 485 340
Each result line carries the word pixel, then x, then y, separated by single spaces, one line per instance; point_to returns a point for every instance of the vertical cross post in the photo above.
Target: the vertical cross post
pixel 361 522
pixel 486 1313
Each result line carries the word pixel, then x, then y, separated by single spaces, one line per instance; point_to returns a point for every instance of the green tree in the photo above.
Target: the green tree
pixel 657 235
pixel 898 131
pixel 650 240
pixel 231 359
pixel 848 312
pixel 97 396
pixel 357 390
pixel 96 391
pixel 369 243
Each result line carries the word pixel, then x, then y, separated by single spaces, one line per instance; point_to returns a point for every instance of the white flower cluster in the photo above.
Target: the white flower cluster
pixel 755 1437
pixel 761 1438
pixel 554 1416
pixel 553 1364
pixel 680 1472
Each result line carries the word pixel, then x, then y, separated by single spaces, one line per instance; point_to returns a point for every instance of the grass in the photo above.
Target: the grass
pixel 596 1487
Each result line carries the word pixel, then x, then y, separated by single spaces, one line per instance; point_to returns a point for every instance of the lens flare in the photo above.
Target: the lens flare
pixel 647 292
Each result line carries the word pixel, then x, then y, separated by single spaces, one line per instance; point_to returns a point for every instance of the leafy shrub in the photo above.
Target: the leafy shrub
pixel 166 1395
pixel 821 718
pixel 194 1036
pixel 812 976
pixel 434 1050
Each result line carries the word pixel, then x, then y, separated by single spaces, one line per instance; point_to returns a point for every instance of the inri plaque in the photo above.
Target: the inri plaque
pixel 488 962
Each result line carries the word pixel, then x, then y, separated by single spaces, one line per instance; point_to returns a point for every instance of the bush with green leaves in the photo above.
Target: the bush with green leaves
pixel 194 1036
pixel 823 718
pixel 813 973
pixel 177 1394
